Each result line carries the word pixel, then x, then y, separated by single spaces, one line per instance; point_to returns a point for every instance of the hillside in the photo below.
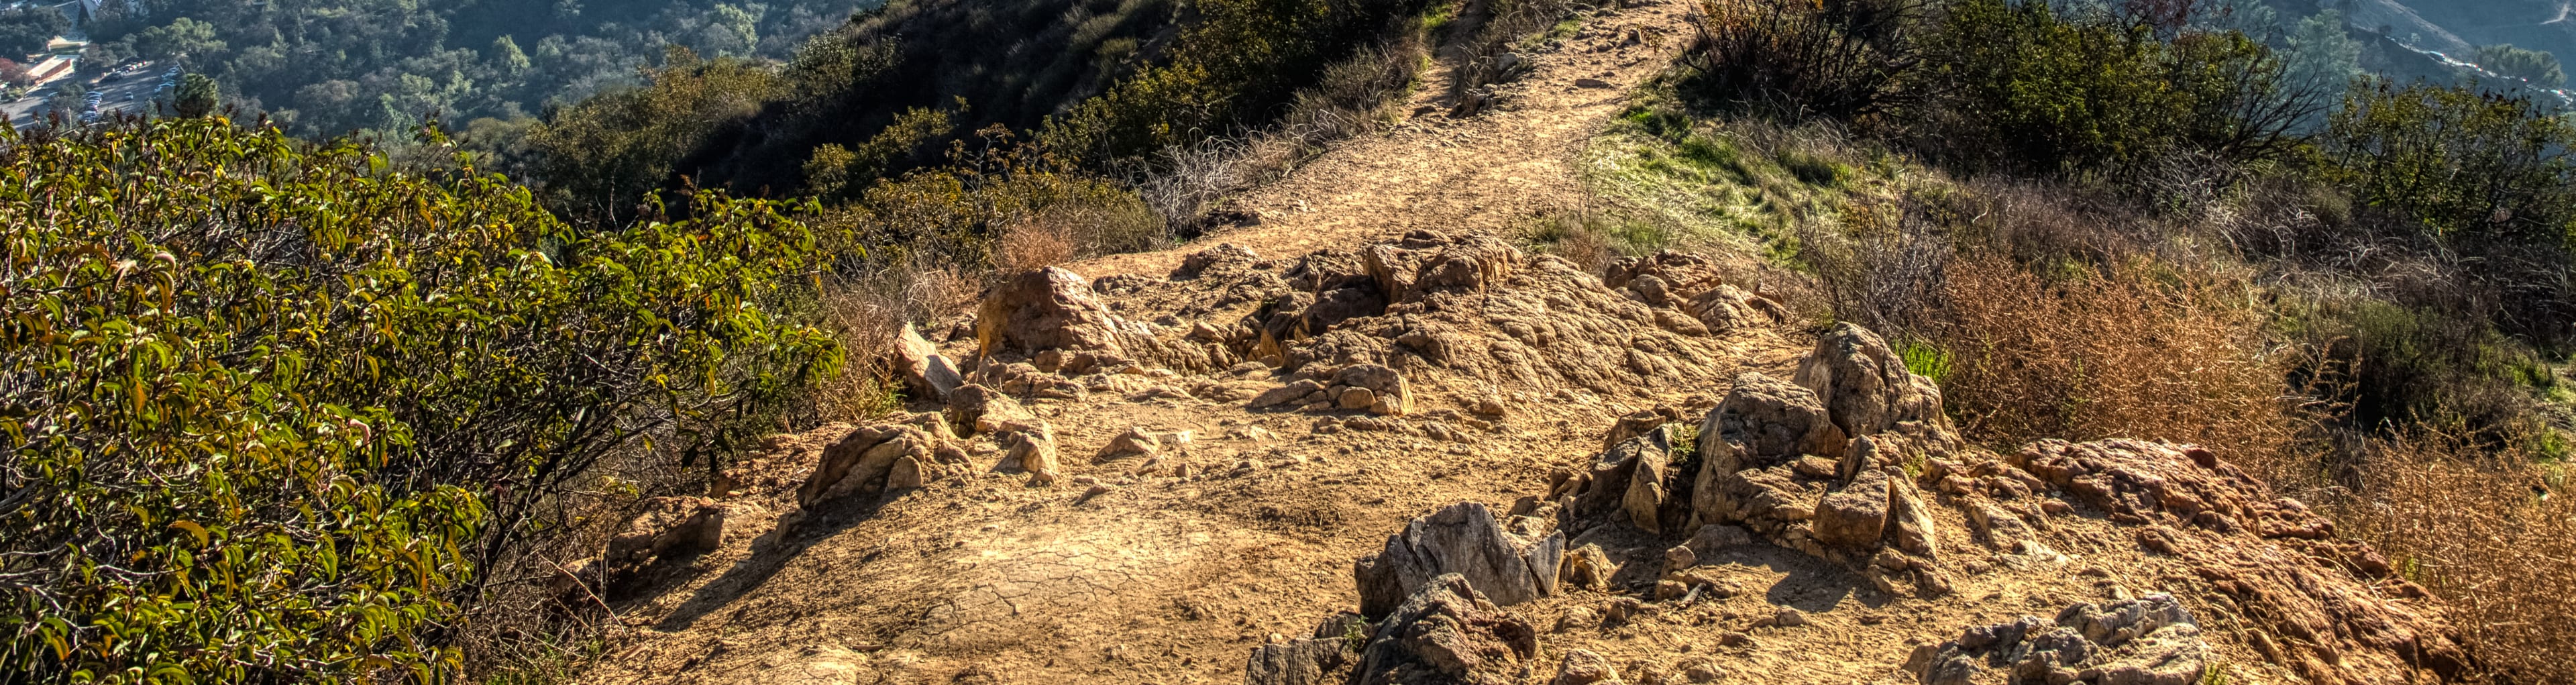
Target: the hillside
pixel 1199 523
pixel 1290 342
pixel 330 68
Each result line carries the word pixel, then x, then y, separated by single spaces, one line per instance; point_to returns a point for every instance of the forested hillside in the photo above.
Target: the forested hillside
pixel 325 67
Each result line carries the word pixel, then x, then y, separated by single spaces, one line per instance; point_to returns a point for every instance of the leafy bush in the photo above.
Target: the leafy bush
pixel 1227 71
pixel 613 149
pixel 2021 86
pixel 271 408
pixel 1844 59
pixel 2016 86
pixel 2477 165
pixel 953 215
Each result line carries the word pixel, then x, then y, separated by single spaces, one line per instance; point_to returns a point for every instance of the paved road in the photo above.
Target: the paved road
pixel 131 92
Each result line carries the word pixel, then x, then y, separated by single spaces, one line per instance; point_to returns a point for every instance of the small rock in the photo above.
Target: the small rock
pixel 1588 568
pixel 1668 590
pixel 1700 669
pixel 1620 609
pixel 1285 394
pixel 1679 558
pixel 1582 667
pixel 1578 617
pixel 1357 398
pixel 1591 83
pixel 1033 448
pixel 1789 617
pixel 905 474
pixel 928 374
pixel 669 526
pixel 982 409
pixel 1716 537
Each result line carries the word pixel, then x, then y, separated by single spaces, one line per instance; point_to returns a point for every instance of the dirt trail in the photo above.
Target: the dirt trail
pixel 1498 170
pixel 1173 568
pixel 995 582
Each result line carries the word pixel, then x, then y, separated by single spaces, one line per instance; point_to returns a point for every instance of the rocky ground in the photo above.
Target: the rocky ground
pixel 1371 441
pixel 1438 459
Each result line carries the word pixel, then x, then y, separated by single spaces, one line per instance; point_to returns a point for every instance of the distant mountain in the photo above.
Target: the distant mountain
pixel 2457 28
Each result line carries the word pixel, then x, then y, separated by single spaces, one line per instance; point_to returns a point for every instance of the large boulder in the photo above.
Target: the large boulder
pixel 1427 261
pixel 1447 632
pixel 927 374
pixel 2146 641
pixel 862 462
pixel 1749 446
pixel 1464 540
pixel 1763 422
pixel 1864 383
pixel 1049 308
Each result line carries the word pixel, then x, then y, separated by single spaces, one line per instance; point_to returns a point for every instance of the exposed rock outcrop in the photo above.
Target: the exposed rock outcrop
pixel 1447 632
pixel 2146 641
pixel 865 461
pixel 1819 465
pixel 1464 540
pixel 1322 658
pixel 2341 612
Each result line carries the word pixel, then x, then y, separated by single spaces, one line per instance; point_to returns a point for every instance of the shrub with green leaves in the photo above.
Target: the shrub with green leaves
pixel 2464 163
pixel 267 406
pixel 2022 86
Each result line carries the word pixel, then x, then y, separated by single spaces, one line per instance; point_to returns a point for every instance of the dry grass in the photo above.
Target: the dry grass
pixel 2492 540
pixel 1354 97
pixel 2125 351
pixel 869 312
pixel 1033 244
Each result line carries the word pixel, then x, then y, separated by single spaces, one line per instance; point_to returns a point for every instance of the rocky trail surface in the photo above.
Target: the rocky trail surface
pixel 1369 440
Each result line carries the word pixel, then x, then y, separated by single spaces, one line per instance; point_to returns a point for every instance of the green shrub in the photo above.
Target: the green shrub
pixel 2024 87
pixel 2462 163
pixel 1227 70
pixel 1844 59
pixel 269 406
pixel 606 152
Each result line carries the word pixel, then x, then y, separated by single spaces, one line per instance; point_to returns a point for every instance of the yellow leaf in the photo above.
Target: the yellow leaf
pixel 192 527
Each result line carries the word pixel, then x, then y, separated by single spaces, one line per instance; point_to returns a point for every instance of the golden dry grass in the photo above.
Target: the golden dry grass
pixel 2104 354
pixel 2153 353
pixel 2495 541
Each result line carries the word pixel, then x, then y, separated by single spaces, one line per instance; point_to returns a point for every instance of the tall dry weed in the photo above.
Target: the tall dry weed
pixel 2126 351
pixel 869 312
pixel 2497 542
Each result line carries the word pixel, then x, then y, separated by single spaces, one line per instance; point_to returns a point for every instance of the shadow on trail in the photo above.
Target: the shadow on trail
pixel 769 554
